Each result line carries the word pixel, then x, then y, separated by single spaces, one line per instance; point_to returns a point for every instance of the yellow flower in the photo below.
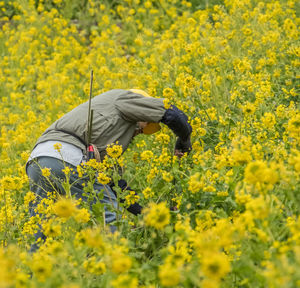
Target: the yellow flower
pixel 167 103
pixel 91 238
pixel 268 120
pixel 131 198
pixel 22 280
pixel 24 155
pixel 169 275
pixel 67 170
pixel 120 263
pixel 290 28
pixel 114 151
pixel 222 193
pixel 103 179
pixel 41 267
pixel 8 266
pixel 99 268
pixel 125 281
pixel 51 229
pixel 167 176
pixel 294 127
pixel 157 215
pixel 196 183
pixel 148 193
pixel 82 215
pixel 262 235
pixel 147 155
pixel 215 265
pixel 258 172
pixel 190 82
pixel 94 267
pixel 295 160
pixel 64 208
pixel 148 4
pixel 249 108
pixel 179 254
pixel 259 207
pixel 240 156
pixel 80 171
pixel 46 172
pixel 163 138
pixel 168 93
pixel 29 197
pixel 57 147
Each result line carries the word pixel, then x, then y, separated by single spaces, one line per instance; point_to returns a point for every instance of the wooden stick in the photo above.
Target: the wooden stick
pixel 90 114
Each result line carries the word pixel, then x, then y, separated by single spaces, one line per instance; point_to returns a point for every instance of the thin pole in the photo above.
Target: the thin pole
pixel 89 111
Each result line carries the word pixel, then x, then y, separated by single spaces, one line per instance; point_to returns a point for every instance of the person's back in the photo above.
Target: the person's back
pixel 115 116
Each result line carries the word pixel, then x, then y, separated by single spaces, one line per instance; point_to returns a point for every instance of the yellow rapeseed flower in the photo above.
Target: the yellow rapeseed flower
pixel 120 263
pixel 64 208
pixel 168 93
pixel 94 267
pixel 167 176
pixel 259 172
pixel 57 147
pixel 92 238
pixel 82 215
pixel 249 108
pixel 196 183
pixel 114 150
pixel 67 170
pixel 293 127
pixel 125 281
pixel 131 198
pixel 51 229
pixel 215 265
pixel 147 155
pixel 169 275
pixel 103 179
pixel 41 267
pixel 46 172
pixel 268 120
pixel 148 193
pixel 157 215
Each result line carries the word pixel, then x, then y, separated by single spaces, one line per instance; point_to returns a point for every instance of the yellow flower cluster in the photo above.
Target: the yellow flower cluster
pixel 114 151
pixel 258 172
pixel 94 267
pixel 103 179
pixel 66 208
pixel 131 198
pixel 195 183
pixel 157 215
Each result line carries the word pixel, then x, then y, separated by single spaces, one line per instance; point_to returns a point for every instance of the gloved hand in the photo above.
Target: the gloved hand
pixel 184 146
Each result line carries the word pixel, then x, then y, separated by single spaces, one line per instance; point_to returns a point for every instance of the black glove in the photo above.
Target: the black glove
pixel 177 121
pixel 184 146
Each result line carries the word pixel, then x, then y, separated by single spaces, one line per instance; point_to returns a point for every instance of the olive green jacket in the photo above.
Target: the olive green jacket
pixel 115 116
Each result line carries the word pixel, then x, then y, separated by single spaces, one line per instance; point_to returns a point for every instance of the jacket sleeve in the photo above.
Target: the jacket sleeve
pixel 134 107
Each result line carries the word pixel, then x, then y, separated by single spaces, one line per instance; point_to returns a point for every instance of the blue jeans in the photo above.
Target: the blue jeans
pixel 41 186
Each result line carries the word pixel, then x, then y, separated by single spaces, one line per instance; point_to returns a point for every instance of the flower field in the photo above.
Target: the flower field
pixel 225 215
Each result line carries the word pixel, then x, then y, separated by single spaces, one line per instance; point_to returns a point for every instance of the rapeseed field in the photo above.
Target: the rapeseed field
pixel 232 67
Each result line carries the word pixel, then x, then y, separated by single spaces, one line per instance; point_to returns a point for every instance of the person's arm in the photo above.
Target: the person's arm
pixel 134 107
pixel 177 121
